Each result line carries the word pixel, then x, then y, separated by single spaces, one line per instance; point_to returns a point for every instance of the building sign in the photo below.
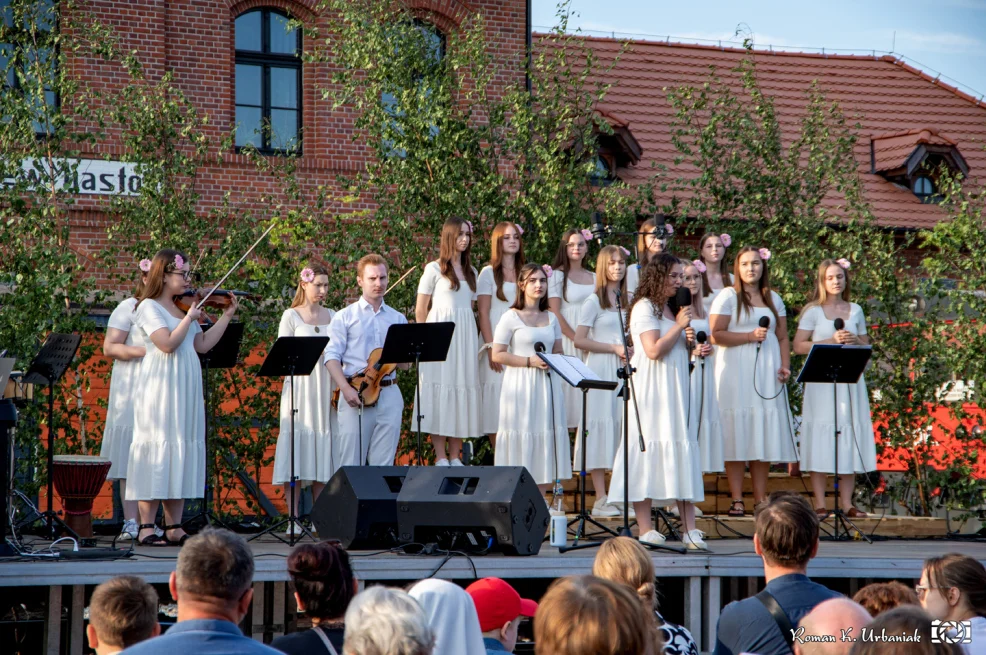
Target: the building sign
pixel 84 176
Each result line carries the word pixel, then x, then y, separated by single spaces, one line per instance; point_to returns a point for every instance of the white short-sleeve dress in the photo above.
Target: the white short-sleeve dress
pixel 604 411
pixel 451 398
pixel 571 306
pixel 314 457
pixel 167 456
pixel 489 379
pixel 669 468
pixel 703 409
pixel 753 409
pixel 857 446
pixel 633 278
pixel 532 429
pixel 119 430
pixel 709 299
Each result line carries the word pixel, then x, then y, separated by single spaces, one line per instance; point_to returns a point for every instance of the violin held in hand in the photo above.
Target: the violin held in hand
pixel 369 381
pixel 219 299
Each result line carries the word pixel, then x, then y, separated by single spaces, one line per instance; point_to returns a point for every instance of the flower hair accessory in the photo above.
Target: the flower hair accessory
pixel 626 253
pixel 179 262
pixel 145 265
pixel 764 253
pixel 586 234
pixel 469 223
pixel 669 228
pixel 844 263
pixel 699 265
pixel 307 275
pixel 726 239
pixel 547 270
pixel 520 230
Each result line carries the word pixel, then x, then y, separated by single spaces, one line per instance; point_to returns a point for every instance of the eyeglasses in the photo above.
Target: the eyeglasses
pixel 922 590
pixel 186 275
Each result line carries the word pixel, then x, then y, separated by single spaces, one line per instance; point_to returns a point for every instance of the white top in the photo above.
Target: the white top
pixel 725 305
pixel 291 321
pixel 123 318
pixel 603 324
pixel 486 286
pixel 575 293
pixel 433 275
pixel 356 330
pixel 823 328
pixel 633 278
pixel 510 332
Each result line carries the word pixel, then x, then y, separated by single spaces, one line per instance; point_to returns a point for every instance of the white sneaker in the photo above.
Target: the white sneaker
pixel 455 462
pixel 294 530
pixel 130 528
pixel 653 537
pixel 442 462
pixel 602 508
pixel 693 540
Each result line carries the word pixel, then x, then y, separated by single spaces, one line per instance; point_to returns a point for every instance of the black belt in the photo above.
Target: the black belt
pixel 387 382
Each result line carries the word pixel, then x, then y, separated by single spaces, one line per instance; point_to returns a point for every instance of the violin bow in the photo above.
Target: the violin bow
pixel 236 265
pixel 400 280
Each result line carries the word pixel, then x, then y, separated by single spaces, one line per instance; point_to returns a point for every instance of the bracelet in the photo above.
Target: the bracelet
pixel 528 361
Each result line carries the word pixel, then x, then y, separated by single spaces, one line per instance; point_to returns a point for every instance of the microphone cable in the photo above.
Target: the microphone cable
pixel 756 365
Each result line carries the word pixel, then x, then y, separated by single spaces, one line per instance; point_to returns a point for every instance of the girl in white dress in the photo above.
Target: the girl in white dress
pixel 496 290
pixel 703 407
pixel 752 366
pixel 714 269
pixel 167 456
pixel 314 458
pixel 450 393
pixel 532 430
pixel 569 284
pixel 669 467
pixel 598 335
pixel 857 445
pixel 649 244
pixel 122 344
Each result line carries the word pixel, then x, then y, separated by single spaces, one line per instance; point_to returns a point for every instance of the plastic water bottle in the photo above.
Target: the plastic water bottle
pixel 558 504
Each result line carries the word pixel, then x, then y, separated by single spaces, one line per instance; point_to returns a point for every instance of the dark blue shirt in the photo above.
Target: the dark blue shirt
pixel 745 626
pixel 211 636
pixel 493 646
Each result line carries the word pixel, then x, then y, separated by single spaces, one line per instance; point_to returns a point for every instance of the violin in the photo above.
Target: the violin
pixel 218 299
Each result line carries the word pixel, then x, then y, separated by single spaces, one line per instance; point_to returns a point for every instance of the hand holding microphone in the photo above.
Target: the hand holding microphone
pixel 536 361
pixel 683 311
pixel 760 334
pixel 842 335
pixel 704 349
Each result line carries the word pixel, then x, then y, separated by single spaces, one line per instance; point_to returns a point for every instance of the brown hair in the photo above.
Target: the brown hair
pixel 610 620
pixel 123 611
pixel 323 578
pixel 447 252
pixel 787 528
pixel 496 255
pixel 525 273
pixel 903 620
pixel 743 303
pixel 653 280
pixel 961 572
pixel 299 295
pixel 561 262
pixel 818 294
pixel 603 260
pixel 879 597
pixel 163 263
pixel 624 560
pixel 645 229
pixel 372 259
pixel 723 266
pixel 697 304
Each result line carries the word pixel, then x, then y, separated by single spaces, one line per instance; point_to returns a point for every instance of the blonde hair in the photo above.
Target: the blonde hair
pixel 299 294
pixel 603 260
pixel 625 561
pixel 818 295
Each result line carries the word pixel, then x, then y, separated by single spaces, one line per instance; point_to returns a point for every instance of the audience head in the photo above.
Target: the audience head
pixel 835 617
pixel 610 620
pixel 953 587
pixel 624 561
pixel 786 533
pixel 452 617
pixel 879 597
pixel 383 621
pixel 323 580
pixel 500 610
pixel 214 576
pixel 903 620
pixel 123 611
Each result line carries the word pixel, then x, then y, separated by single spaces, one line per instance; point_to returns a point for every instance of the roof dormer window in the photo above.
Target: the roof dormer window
pixel 912 159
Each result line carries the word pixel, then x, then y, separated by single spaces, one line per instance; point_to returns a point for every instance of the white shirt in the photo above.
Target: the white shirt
pixel 356 331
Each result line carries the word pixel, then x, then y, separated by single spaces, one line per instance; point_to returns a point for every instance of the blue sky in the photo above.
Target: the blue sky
pixel 943 36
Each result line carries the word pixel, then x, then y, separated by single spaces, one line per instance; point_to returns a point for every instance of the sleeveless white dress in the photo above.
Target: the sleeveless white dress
pixel 450 393
pixel 489 379
pixel 604 409
pixel 119 430
pixel 571 308
pixel 167 456
pixel 532 431
pixel 857 445
pixel 669 468
pixel 754 428
pixel 315 459
pixel 703 410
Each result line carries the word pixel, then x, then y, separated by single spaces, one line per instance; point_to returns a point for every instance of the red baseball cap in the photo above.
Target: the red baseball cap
pixel 498 603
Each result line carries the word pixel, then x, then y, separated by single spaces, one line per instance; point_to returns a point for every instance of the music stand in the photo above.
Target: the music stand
pixel 291 357
pixel 8 418
pixel 835 364
pixel 224 354
pixel 417 342
pixel 48 367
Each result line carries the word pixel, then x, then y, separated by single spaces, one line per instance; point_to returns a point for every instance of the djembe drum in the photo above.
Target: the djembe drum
pixel 78 480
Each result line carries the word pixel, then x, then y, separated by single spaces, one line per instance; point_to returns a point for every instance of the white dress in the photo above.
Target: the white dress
pixel 709 299
pixel 450 393
pixel 604 409
pixel 167 456
pixel 489 379
pixel 857 446
pixel 571 308
pixel 669 468
pixel 703 409
pixel 633 280
pixel 753 428
pixel 530 407
pixel 119 430
pixel 315 459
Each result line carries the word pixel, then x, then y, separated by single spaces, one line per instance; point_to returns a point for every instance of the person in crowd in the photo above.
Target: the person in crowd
pixel 383 621
pixel 625 561
pixel 324 586
pixel 500 610
pixel 715 266
pixel 452 617
pixel 835 617
pixel 586 615
pixel 122 612
pixel 879 597
pixel 786 537
pixel 213 587
pixel 953 588
pixel 649 244
pixel 913 630
pixel 703 404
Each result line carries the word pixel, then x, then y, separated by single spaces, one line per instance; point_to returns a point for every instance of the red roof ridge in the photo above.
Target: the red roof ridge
pixel 924 135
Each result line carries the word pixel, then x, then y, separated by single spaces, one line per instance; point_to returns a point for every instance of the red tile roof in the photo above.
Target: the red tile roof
pixel 891 150
pixel 885 96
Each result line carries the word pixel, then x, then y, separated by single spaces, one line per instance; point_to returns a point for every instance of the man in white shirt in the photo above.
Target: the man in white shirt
pixel 354 333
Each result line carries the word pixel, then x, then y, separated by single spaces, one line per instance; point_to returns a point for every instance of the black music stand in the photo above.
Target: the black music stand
pixel 291 357
pixel 224 354
pixel 48 367
pixel 417 342
pixel 835 364
pixel 8 419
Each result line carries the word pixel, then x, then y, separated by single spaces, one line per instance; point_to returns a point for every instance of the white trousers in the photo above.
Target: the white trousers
pixel 381 430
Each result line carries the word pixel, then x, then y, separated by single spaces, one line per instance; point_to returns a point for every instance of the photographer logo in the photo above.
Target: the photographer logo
pixel 951 632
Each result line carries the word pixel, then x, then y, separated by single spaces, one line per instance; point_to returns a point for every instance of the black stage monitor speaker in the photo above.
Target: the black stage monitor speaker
pixel 359 507
pixel 473 509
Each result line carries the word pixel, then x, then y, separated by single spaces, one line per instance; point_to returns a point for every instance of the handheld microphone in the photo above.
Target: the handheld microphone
pixel 682 298
pixel 701 337
pixel 839 324
pixel 764 323
pixel 539 347
pixel 599 230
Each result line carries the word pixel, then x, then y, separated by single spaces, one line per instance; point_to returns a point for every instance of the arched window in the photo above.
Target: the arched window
pixel 268 82
pixel 603 174
pixel 924 188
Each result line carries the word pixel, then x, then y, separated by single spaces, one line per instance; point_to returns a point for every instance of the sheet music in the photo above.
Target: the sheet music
pixel 572 369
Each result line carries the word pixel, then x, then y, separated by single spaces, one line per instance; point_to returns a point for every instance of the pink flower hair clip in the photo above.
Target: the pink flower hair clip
pixel 626 253
pixel 669 228
pixel 764 254
pixel 586 234
pixel 547 270
pixel 520 230
pixel 726 240
pixel 844 263
pixel 145 265
pixel 699 265
pixel 307 275
pixel 469 223
pixel 179 262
